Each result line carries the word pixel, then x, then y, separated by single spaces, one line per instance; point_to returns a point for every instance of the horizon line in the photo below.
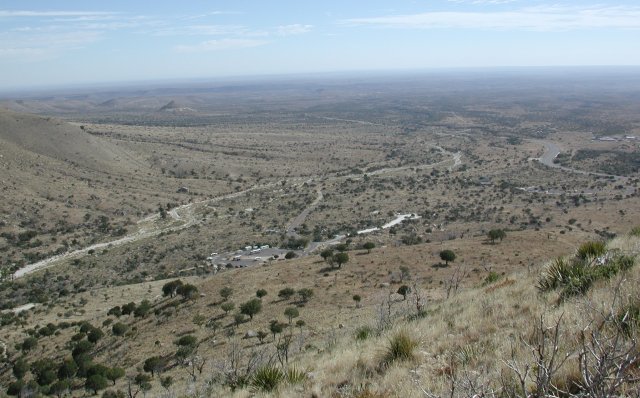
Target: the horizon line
pixel 292 76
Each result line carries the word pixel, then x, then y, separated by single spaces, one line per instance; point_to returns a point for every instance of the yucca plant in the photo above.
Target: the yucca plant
pixel 267 378
pixel 591 249
pixel 573 277
pixel 295 376
pixel 555 275
pixel 400 348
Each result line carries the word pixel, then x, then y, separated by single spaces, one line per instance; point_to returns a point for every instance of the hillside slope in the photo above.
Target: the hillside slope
pixel 63 141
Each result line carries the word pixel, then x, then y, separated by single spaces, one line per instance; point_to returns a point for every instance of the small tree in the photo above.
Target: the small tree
pixel 128 308
pixel 228 306
pixel 29 343
pixel 67 369
pixel 357 298
pixel 496 234
pixel 305 294
pixel 369 246
pixel 290 255
pixel 261 335
pixel 341 258
pixel 261 293
pixel 114 374
pixel 238 318
pixel 154 365
pixel 115 311
pixel 404 290
pixel 142 310
pixel 170 288
pixel 326 254
pixel 94 335
pixel 44 371
pixel 20 368
pixel 119 329
pixel 275 327
pixel 60 388
pixel 251 307
pixel 226 292
pixel 96 383
pixel 188 291
pixel 447 255
pixel 290 313
pixel 286 293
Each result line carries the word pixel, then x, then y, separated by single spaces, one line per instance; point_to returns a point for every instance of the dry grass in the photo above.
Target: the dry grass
pixel 469 341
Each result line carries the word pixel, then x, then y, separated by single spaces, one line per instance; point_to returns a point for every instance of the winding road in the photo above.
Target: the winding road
pixel 551 152
pixel 183 217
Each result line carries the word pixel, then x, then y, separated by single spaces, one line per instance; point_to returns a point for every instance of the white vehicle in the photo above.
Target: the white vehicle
pixel 264 247
pixel 254 251
pixel 236 258
pixel 213 254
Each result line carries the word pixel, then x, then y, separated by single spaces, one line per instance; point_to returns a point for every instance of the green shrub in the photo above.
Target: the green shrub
pixel 635 232
pixel 591 250
pixel 295 376
pixel 490 278
pixel 267 378
pixel 625 263
pixel 363 333
pixel 400 348
pixel 577 276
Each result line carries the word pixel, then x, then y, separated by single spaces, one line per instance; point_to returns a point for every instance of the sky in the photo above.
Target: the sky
pixel 74 42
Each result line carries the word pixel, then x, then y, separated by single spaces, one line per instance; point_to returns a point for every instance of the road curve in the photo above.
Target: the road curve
pixel 551 152
pixel 184 216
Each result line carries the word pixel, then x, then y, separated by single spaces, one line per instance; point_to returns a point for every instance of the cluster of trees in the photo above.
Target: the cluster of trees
pixel 334 259
pixel 177 287
pixel 58 377
pixel 304 294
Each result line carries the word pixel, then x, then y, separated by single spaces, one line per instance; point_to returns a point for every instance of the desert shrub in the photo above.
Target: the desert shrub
pixel 577 276
pixel 490 278
pixel 119 329
pixel 635 232
pixel 629 318
pixel 29 343
pixel 188 340
pixel 94 335
pixel 564 274
pixel 625 262
pixel 295 376
pixel 267 378
pixel 591 250
pixel 363 333
pixel 400 348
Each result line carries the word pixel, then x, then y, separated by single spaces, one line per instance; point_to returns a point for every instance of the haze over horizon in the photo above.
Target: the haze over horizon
pixel 55 43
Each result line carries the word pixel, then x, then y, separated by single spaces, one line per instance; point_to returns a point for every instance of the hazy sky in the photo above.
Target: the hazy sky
pixel 52 42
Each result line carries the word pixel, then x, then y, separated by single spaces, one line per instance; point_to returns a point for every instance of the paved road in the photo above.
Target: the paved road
pixel 298 220
pixel 183 217
pixel 552 150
